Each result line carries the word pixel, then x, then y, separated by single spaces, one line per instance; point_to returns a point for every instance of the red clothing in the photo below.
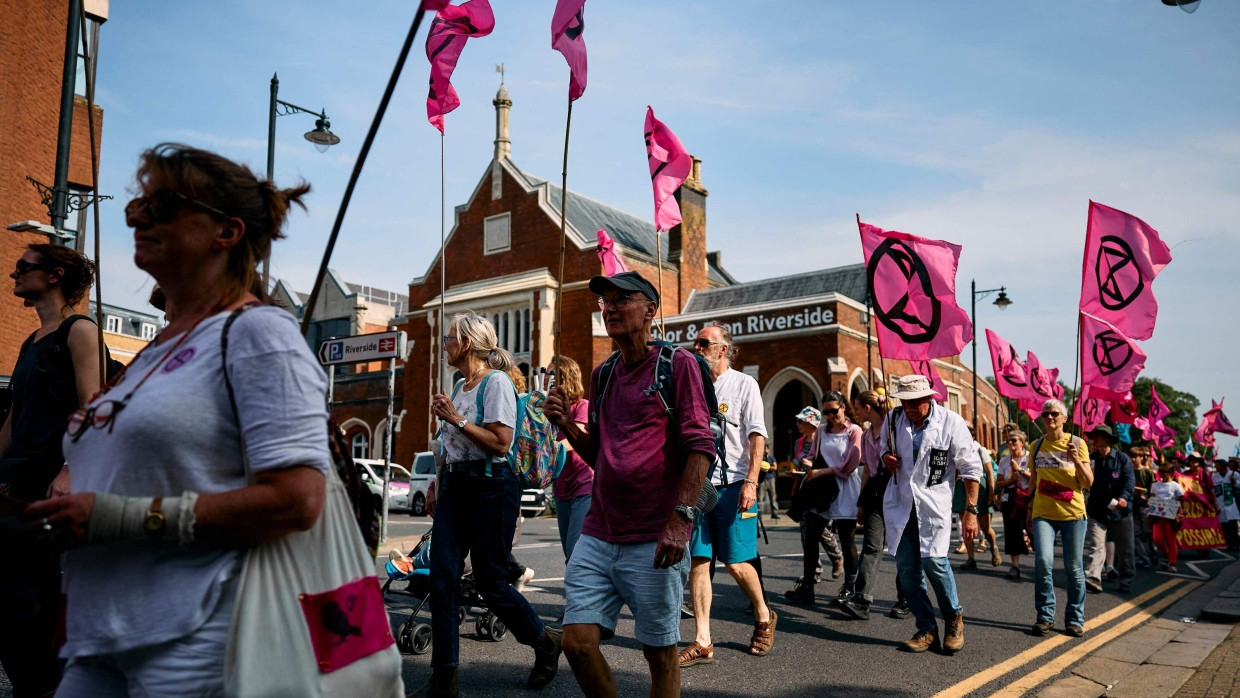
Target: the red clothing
pixel 577 477
pixel 1165 539
pixel 641 456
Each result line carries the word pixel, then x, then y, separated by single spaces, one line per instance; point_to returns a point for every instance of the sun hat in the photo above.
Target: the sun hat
pixel 913 387
pixel 1105 430
pixel 811 416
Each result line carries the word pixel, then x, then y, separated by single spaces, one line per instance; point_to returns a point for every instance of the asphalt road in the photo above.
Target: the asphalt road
pixel 817 650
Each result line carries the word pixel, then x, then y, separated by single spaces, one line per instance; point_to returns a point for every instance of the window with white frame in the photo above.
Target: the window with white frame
pixel 953 401
pixel 496 233
pixel 112 323
pixel 361 446
pixel 148 331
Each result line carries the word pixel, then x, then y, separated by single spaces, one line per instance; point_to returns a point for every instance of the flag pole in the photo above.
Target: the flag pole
pixel 94 175
pixel 443 283
pixel 559 283
pixel 1077 370
pixel 658 254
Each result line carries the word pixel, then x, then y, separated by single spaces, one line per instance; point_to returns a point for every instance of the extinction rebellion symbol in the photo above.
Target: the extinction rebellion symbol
pixel 1015 360
pixel 1111 352
pixel 905 321
pixel 1114 270
pixel 1092 412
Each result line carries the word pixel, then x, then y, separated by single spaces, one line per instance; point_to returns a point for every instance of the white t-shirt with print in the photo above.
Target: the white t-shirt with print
pixel 740 403
pixel 499 404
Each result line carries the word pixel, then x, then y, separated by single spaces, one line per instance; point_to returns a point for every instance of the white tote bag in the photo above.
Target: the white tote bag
pixel 301 602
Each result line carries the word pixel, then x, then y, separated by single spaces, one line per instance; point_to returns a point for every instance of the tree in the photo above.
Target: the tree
pixel 1183 406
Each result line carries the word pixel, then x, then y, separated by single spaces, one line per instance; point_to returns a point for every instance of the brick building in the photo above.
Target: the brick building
pixel 32 53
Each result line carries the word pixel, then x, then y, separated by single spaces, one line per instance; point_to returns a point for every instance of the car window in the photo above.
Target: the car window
pixel 424 464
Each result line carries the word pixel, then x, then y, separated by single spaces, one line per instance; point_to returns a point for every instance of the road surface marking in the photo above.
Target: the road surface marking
pixel 548 579
pixel 1063 661
pixel 1039 650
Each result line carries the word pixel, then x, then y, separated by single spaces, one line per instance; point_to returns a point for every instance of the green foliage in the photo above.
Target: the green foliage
pixel 1183 406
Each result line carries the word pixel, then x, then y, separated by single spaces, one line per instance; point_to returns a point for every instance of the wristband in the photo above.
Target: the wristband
pixel 751 482
pixel 117 518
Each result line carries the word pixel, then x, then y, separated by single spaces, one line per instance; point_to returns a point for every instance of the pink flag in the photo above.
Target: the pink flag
pixel 1122 257
pixel 1032 408
pixel 1044 382
pixel 912 284
pixel 669 165
pixel 1124 410
pixel 1205 433
pixel 1010 375
pixel 453 25
pixel 612 264
pixel 567 25
pixel 1110 362
pixel 1154 429
pixel 1090 411
pixel 926 368
pixel 435 5
pixel 1218 420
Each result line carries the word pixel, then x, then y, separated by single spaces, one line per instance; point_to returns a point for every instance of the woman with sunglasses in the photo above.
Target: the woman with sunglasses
pixel 574 484
pixel 1061 474
pixel 1013 482
pixel 162 511
pixel 57 371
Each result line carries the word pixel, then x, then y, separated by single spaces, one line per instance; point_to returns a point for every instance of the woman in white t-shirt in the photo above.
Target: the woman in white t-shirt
pixel 1226 490
pixel 477 503
pixel 1014 496
pixel 1164 508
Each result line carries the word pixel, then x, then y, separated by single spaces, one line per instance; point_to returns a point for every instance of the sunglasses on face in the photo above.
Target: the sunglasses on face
pixel 163 205
pixel 703 343
pixel 23 266
pixel 1050 415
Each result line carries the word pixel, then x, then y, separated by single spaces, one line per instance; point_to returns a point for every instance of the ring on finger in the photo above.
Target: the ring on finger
pixel 47 525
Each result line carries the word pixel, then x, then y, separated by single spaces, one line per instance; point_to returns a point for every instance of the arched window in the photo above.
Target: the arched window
pixel 361 446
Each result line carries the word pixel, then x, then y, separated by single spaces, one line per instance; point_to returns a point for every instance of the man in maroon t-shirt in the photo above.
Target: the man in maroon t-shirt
pixel 648 472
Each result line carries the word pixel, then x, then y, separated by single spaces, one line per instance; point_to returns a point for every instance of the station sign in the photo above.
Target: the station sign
pixel 363 347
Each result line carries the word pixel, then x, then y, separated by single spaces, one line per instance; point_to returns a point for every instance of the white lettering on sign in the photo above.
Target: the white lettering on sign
pixel 761 323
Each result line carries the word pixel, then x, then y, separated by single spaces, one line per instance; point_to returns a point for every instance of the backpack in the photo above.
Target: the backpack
pixel 665 388
pixel 535 454
pixel 59 351
pixel 367 506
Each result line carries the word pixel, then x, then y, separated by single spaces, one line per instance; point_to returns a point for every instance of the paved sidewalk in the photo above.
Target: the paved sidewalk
pixel 1219 675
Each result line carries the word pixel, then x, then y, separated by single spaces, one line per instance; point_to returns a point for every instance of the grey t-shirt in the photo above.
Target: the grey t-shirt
pixel 176 433
pixel 499 404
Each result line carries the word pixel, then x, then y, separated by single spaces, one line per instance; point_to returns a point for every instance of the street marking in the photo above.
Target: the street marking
pixel 1039 650
pixel 1202 575
pixel 548 579
pixel 1063 661
pixel 529 546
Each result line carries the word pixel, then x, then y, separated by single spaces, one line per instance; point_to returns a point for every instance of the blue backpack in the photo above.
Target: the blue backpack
pixel 535 455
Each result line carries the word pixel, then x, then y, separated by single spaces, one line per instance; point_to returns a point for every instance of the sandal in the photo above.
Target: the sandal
pixel 696 654
pixel 763 636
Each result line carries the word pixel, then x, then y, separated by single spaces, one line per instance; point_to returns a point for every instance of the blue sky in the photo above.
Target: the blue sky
pixel 987 124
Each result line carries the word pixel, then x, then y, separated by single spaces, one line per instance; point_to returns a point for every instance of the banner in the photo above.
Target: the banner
pixel 568 24
pixel 1043 382
pixel 1110 362
pixel 1219 423
pixel 926 368
pixel 1122 257
pixel 912 283
pixel 1124 411
pixel 669 165
pixel 1204 433
pixel 453 25
pixel 1200 529
pixel 1152 427
pixel 1089 411
pixel 612 264
pixel 1011 377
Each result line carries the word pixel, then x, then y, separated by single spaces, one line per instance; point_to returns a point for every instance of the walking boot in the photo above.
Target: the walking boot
pixel 900 610
pixel 441 685
pixel 546 659
pixel 953 633
pixel 922 641
pixel 801 593
pixel 857 608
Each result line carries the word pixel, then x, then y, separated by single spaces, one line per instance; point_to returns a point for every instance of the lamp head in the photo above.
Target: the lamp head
pixel 1003 301
pixel 322 136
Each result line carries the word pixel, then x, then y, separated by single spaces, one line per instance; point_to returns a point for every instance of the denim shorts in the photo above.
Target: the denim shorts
pixel 602 577
pixel 725 533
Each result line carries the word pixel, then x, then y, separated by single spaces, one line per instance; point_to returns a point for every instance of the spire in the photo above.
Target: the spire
pixel 503 146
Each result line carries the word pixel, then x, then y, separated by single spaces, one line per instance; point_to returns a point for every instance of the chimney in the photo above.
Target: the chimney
pixel 687 241
pixel 503 146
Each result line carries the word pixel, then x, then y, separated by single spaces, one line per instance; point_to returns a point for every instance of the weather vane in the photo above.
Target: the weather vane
pixel 499 68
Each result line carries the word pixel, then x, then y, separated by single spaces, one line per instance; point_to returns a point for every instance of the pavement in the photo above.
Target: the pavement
pixel 1135 645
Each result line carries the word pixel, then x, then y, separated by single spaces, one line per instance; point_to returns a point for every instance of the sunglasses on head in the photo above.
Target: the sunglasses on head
pixel 163 205
pixel 23 267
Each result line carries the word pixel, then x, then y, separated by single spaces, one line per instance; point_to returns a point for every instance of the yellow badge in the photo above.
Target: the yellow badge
pixel 723 408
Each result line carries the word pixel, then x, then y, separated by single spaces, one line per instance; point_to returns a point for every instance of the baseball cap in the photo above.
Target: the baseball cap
pixel 629 281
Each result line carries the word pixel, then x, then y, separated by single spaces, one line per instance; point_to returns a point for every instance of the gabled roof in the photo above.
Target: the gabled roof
pixel 588 215
pixel 847 281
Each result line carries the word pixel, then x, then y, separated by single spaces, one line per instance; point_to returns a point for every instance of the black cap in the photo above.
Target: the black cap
pixel 625 281
pixel 1105 430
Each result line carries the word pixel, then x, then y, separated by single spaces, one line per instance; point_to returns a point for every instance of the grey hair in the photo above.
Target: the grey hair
pixel 1057 405
pixel 483 342
pixel 726 335
pixel 1018 434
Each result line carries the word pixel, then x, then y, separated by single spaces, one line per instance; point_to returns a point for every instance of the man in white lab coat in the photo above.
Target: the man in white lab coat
pixel 925 445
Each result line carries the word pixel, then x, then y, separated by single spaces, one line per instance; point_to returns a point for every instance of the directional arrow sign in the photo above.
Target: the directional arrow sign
pixel 362 347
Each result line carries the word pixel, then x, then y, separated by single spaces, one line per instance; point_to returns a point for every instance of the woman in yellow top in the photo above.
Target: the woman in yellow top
pixel 1061 473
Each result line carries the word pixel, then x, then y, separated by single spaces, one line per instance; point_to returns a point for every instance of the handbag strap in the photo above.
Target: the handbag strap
pixel 228 386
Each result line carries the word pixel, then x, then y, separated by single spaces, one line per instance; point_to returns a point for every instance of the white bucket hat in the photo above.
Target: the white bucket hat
pixel 913 387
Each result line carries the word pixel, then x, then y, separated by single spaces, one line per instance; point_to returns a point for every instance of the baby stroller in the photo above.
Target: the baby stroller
pixel 414 635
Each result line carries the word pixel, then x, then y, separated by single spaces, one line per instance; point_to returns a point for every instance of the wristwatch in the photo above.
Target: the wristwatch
pixel 153 524
pixel 971 509
pixel 460 426
pixel 686 512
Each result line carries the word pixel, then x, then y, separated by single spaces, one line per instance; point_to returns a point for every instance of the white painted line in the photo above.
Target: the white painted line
pixel 548 579
pixel 529 546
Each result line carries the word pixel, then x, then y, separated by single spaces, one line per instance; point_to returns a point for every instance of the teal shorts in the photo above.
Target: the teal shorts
pixel 723 533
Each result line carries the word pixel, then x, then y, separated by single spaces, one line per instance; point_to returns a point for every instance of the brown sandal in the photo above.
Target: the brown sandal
pixel 696 654
pixel 763 636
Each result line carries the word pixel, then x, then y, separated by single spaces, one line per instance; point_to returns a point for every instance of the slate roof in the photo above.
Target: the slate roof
pixel 847 281
pixel 637 234
pixel 131 320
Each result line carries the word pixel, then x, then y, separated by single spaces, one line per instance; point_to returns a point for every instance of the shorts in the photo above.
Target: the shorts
pixel 723 534
pixel 601 577
pixel 983 497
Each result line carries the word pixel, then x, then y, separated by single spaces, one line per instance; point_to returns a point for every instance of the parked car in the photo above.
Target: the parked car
pixel 536 502
pixel 424 475
pixel 403 489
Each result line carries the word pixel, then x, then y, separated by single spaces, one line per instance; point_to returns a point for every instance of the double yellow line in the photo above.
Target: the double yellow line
pixel 1028 680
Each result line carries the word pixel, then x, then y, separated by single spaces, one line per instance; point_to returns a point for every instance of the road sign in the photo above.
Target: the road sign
pixel 362 347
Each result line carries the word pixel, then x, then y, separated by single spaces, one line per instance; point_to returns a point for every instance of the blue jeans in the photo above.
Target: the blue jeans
pixel 910 566
pixel 1073 540
pixel 476 515
pixel 571 514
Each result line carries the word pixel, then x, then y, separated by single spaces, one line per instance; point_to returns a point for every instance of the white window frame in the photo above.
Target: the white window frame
pixel 112 323
pixel 491 228
pixel 148 331
pixel 360 440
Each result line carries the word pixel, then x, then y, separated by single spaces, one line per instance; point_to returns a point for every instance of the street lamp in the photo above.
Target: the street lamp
pixel 1002 302
pixel 322 138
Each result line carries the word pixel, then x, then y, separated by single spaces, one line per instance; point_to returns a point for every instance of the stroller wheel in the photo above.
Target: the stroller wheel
pixel 482 626
pixel 404 637
pixel 496 629
pixel 420 638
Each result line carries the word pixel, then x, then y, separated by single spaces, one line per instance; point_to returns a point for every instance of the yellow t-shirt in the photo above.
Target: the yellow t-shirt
pixel 1057 495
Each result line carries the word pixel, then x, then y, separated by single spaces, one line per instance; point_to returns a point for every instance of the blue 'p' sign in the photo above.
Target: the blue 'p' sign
pixel 335 351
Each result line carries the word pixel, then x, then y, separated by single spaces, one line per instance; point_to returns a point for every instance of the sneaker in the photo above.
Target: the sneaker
pixel 1124 589
pixel 1172 569
pixel 845 593
pixel 686 611
pixel 1013 573
pixel 856 608
pixel 970 564
pixel 1143 563
pixel 1093 586
pixel 696 654
pixel 900 610
pixel 524 579
pixel 1163 566
pixel 1074 631
pixel 1041 628
pixel 801 593
pixel 922 641
pixel 546 660
pixel 953 633
pixel 1110 574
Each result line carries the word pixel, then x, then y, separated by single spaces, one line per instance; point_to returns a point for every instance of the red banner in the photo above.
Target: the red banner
pixel 1199 529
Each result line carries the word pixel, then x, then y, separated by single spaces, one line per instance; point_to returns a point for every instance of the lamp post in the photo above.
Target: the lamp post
pixel 322 138
pixel 1002 302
